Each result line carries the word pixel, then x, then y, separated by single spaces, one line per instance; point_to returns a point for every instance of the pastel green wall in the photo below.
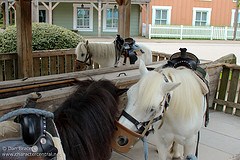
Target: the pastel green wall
pixel 63 16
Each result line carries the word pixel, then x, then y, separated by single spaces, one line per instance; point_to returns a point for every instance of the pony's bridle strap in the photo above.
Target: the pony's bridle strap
pixel 142 127
pixel 87 57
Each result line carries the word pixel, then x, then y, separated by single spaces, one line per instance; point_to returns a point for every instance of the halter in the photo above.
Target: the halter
pixel 124 139
pixel 88 57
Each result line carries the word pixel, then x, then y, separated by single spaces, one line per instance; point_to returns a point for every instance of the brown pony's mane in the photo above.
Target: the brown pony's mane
pixel 85 121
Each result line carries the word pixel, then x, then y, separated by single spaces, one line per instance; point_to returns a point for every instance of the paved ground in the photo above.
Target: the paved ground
pixel 219 141
pixel 203 49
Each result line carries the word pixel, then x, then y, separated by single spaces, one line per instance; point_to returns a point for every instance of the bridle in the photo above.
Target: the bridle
pixel 87 61
pixel 124 139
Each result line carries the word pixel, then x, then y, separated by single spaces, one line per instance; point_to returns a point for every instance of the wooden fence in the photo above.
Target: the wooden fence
pixel 49 63
pixel 44 62
pixel 224 78
pixel 227 96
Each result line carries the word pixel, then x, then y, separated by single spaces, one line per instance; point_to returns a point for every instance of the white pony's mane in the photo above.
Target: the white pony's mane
pixel 147 89
pixel 187 99
pixel 99 50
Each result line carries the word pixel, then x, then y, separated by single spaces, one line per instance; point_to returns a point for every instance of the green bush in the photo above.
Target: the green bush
pixel 44 37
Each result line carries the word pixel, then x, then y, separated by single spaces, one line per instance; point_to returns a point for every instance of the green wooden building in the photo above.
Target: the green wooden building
pixel 88 18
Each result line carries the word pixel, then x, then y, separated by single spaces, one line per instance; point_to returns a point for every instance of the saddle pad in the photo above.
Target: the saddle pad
pixel 10 129
pixel 203 85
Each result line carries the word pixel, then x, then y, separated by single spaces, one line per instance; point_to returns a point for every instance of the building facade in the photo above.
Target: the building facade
pixel 192 12
pixel 87 17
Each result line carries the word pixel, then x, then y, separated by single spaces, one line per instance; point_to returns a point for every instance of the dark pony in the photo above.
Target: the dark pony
pixel 85 121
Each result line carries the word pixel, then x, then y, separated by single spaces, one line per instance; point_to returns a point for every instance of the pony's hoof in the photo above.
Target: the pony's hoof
pixel 191 157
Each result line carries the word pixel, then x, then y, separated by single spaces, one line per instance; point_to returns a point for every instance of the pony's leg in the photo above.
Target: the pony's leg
pixel 163 143
pixel 175 150
pixel 190 146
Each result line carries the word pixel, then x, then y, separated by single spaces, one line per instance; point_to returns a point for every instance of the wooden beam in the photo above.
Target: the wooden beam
pixel 121 18
pixel 6 13
pixel 99 18
pixel 99 9
pixel 35 12
pixel 120 2
pixel 147 19
pixel 124 13
pixel 127 18
pixel 24 38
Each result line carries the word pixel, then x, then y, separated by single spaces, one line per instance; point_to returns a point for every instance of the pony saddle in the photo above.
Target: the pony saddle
pixel 128 48
pixel 30 134
pixel 27 137
pixel 183 58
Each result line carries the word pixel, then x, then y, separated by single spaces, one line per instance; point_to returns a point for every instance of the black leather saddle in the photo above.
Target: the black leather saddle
pixel 36 130
pixel 128 48
pixel 183 58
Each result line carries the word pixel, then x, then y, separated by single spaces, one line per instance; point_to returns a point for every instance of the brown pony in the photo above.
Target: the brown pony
pixel 85 123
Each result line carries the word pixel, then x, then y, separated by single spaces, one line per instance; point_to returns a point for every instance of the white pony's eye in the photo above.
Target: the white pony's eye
pixel 82 54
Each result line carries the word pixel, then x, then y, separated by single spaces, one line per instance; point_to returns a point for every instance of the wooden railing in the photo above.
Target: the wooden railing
pixel 228 97
pixel 44 63
pixel 224 78
pixel 49 63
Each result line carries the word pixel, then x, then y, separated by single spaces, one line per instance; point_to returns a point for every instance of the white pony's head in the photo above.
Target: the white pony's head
pixel 146 96
pixel 81 51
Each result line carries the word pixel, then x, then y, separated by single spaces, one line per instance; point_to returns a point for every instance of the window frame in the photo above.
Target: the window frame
pixel 207 10
pixel 105 28
pixel 169 11
pixel 75 6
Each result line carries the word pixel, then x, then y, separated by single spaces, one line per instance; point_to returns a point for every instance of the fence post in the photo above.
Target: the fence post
pixel 181 32
pixel 211 38
pixel 149 31
pixel 225 33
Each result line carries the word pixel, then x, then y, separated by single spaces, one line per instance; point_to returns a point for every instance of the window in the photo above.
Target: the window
pixel 110 18
pixel 161 15
pixel 233 15
pixel 201 16
pixel 43 14
pixel 83 17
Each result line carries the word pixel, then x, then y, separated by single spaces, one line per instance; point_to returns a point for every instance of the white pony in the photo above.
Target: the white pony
pixel 183 118
pixel 104 53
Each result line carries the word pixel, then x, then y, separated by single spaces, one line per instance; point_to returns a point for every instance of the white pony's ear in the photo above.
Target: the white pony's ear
pixel 142 68
pixel 169 86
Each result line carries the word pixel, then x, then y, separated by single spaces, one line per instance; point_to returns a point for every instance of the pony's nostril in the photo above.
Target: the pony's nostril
pixel 122 140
